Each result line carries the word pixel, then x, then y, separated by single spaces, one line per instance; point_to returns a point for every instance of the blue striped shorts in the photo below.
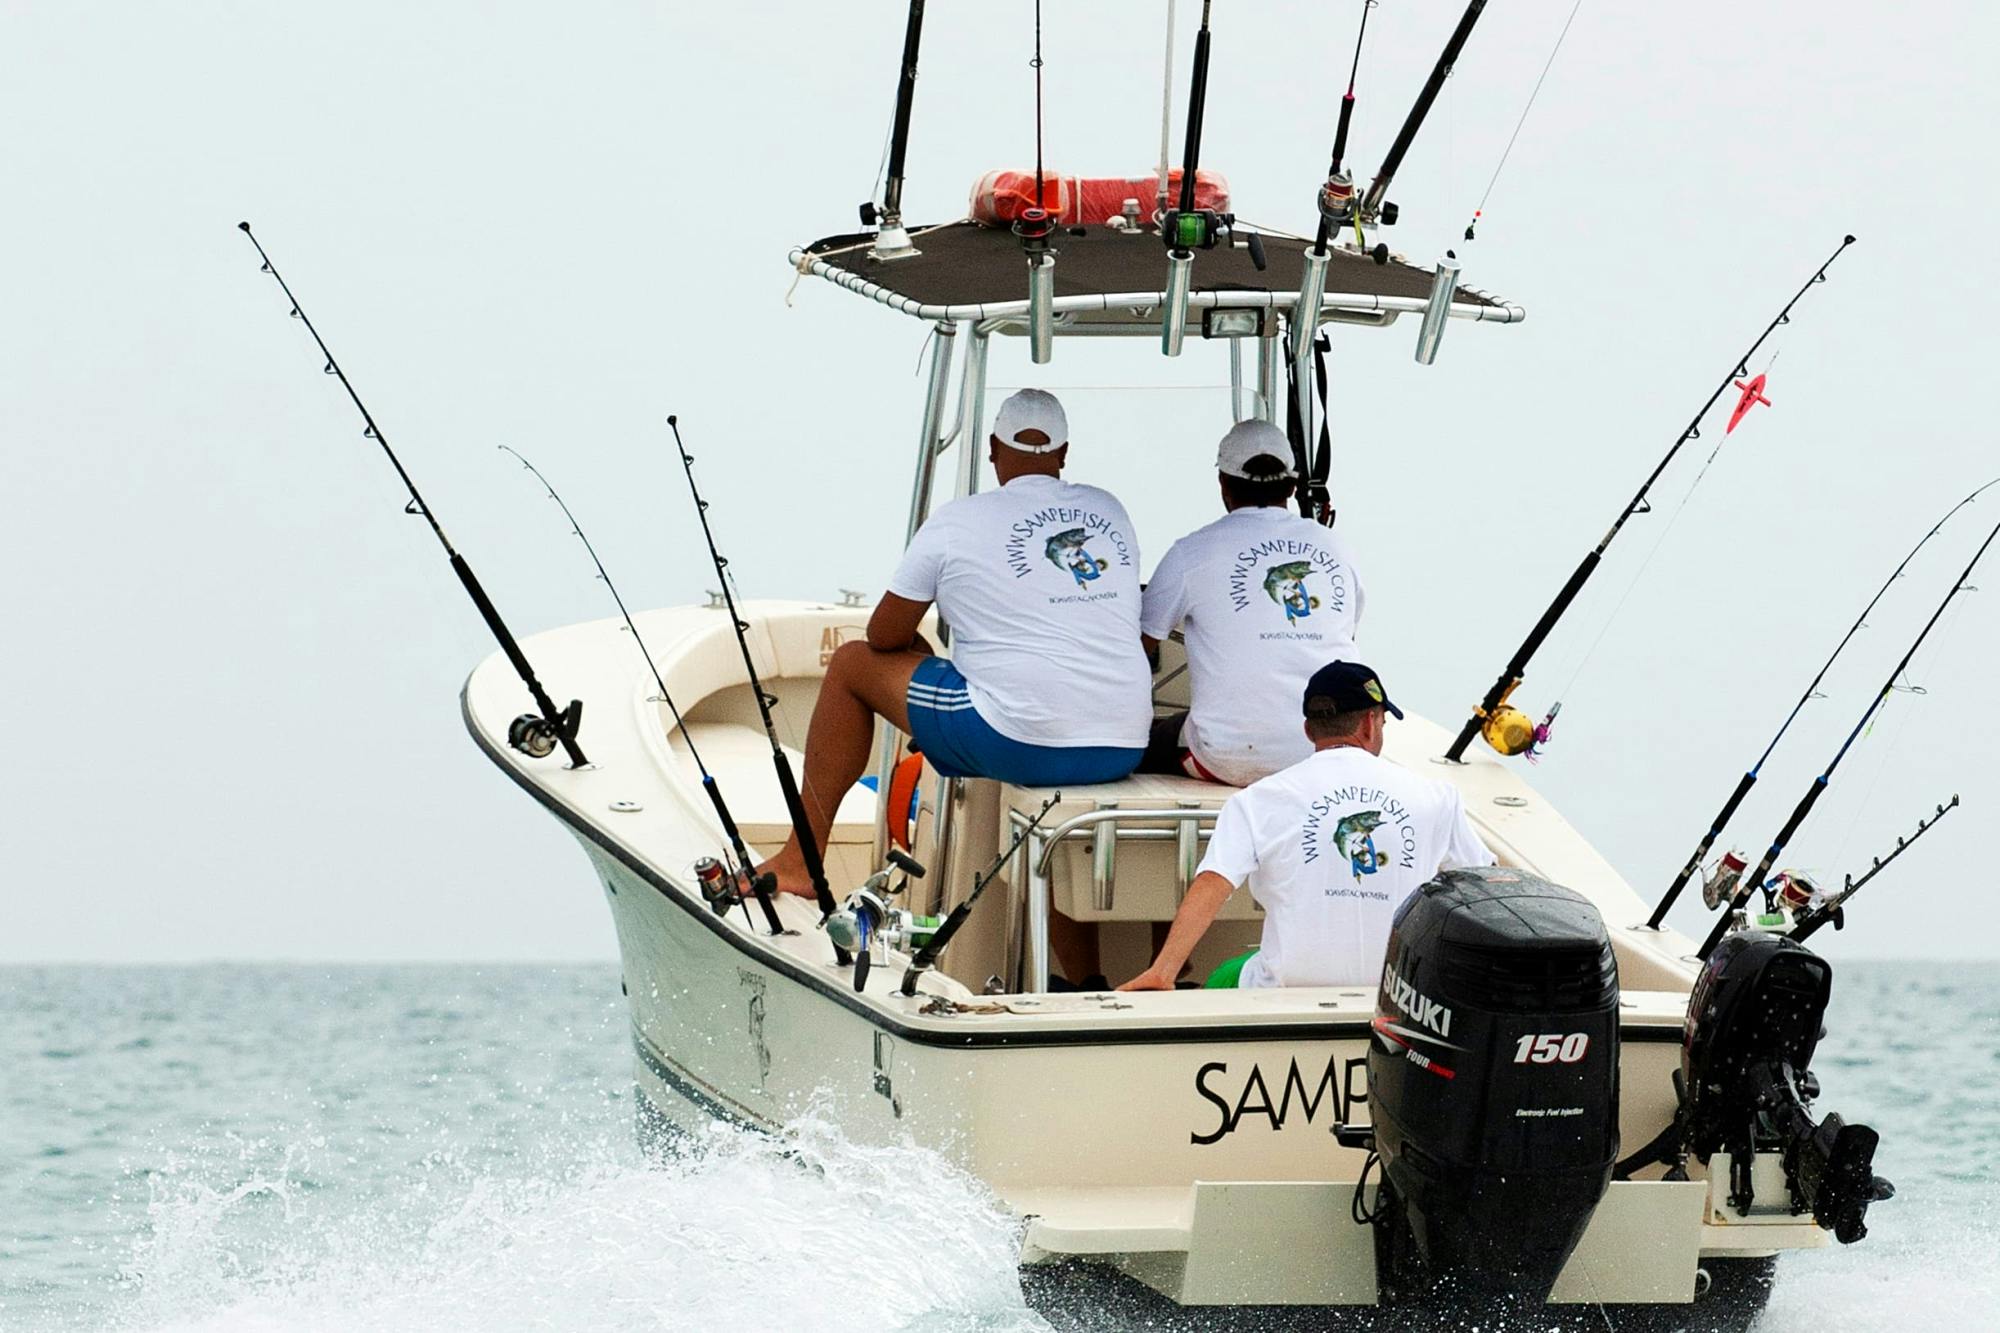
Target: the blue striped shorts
pixel 960 744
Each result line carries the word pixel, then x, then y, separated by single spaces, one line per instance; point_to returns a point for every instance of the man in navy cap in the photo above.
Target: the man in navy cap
pixel 1330 847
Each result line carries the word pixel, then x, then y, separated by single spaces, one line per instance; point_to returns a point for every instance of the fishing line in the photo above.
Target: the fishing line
pixel 1886 753
pixel 1036 65
pixel 1506 728
pixel 759 885
pixel 809 850
pixel 534 736
pixel 1756 878
pixel 1506 152
pixel 1750 776
pixel 1166 116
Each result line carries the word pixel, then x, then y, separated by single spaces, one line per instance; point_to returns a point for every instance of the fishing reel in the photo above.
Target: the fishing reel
pixel 1508 730
pixel 1719 885
pixel 1204 229
pixel 537 737
pixel 867 918
pixel 1338 204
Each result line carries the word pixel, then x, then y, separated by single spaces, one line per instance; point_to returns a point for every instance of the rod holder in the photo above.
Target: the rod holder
pixel 893 242
pixel 1041 306
pixel 1444 285
pixel 1305 315
pixel 1180 278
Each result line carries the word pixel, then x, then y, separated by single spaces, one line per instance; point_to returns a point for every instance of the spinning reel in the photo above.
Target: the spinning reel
pixel 867 918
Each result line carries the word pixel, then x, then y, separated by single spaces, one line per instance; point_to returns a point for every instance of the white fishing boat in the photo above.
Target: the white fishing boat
pixel 1545 1096
pixel 1218 1146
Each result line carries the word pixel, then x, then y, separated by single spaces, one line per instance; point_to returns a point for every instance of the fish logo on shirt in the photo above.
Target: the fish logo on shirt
pixel 1066 551
pixel 1353 835
pixel 1286 585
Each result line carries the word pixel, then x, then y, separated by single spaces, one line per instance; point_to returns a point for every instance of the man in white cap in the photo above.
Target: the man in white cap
pixel 1047 685
pixel 1265 596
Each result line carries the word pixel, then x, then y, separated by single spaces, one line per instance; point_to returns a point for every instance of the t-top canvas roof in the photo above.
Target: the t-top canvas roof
pixel 967 271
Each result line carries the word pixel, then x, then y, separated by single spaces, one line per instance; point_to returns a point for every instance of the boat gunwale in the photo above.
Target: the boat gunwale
pixel 1033 1033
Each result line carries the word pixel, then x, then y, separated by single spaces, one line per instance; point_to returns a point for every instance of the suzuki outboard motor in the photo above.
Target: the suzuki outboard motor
pixel 1753 1021
pixel 1493 1080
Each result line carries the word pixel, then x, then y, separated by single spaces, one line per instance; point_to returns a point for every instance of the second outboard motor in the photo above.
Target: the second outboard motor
pixel 1754 1020
pixel 1493 1080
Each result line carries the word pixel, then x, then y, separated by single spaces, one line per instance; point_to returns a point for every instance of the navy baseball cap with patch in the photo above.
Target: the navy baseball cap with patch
pixel 1346 687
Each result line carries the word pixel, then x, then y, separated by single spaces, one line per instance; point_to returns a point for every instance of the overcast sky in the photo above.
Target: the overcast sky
pixel 230 664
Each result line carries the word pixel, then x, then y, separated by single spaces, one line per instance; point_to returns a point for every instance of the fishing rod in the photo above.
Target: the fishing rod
pixel 760 885
pixel 801 826
pixel 1819 784
pixel 532 735
pixel 1372 206
pixel 1813 918
pixel 892 240
pixel 1034 229
pixel 1749 778
pixel 1335 202
pixel 927 956
pixel 1182 227
pixel 1512 735
pixel 1185 228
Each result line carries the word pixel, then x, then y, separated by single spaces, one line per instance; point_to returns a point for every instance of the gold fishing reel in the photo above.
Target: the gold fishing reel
pixel 1506 728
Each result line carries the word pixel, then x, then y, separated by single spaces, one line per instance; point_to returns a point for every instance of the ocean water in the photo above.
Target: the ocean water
pixel 290 1148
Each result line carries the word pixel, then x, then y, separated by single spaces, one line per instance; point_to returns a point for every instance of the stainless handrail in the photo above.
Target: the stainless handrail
pixel 1042 845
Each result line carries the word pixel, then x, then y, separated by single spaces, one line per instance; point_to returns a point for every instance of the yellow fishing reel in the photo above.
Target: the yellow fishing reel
pixel 1508 730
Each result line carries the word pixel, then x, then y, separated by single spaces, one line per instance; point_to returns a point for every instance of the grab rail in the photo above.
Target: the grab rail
pixel 1190 825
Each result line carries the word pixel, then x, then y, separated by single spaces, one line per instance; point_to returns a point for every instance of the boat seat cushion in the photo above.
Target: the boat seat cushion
pixel 740 757
pixel 1145 881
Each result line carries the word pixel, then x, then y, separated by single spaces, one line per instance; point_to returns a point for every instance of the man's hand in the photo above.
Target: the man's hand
pixel 1205 898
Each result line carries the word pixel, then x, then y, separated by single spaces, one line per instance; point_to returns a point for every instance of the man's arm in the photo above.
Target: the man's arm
pixel 1205 898
pixel 893 627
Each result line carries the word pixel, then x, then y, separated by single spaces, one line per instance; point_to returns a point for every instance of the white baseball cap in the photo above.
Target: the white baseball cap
pixel 1254 439
pixel 1031 409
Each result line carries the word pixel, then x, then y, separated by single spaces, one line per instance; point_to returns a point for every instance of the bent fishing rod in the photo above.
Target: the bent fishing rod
pixel 787 784
pixel 760 885
pixel 1813 918
pixel 534 736
pixel 927 957
pixel 1517 666
pixel 1749 778
pixel 1755 879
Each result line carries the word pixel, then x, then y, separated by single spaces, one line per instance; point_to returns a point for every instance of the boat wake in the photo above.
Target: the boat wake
pixel 733 1231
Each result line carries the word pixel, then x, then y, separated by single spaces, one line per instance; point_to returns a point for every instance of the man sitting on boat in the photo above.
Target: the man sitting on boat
pixel 1330 848
pixel 1264 596
pixel 1047 685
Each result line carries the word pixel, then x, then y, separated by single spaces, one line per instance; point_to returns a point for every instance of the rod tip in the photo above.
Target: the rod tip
pixel 1847 239
pixel 243 226
pixel 673 420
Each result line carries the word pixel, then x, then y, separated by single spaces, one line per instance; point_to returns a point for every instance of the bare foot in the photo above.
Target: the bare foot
pixel 789 870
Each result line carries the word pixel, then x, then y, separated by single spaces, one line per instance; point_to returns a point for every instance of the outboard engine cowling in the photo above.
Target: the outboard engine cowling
pixel 1754 1020
pixel 1493 1082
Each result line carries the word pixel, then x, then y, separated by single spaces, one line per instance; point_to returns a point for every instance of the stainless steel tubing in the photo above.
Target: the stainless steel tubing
pixel 1173 322
pixel 1444 285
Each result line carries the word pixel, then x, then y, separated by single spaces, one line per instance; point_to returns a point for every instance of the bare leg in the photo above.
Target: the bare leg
pixel 861 685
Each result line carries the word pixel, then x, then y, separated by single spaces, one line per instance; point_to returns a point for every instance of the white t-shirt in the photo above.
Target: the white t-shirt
pixel 1267 598
pixel 1330 848
pixel 1039 581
